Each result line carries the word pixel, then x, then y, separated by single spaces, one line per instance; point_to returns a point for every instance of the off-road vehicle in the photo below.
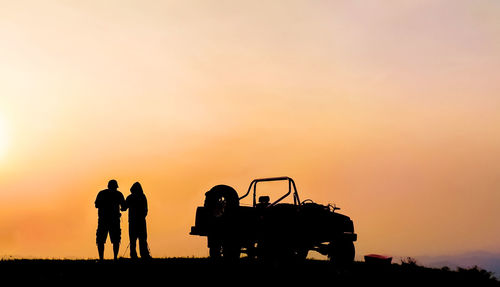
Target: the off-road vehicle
pixel 276 229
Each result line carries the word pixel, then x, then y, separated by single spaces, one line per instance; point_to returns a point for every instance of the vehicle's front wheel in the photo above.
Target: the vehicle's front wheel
pixel 341 252
pixel 229 251
pixel 215 252
pixel 300 254
pixel 214 248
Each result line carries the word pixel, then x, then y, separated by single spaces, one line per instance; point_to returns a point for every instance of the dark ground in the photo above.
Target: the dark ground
pixel 186 271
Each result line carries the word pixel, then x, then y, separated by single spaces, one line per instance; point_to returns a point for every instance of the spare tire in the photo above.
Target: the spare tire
pixel 221 199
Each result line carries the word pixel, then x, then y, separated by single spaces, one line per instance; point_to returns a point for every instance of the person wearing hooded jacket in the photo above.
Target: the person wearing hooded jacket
pixel 137 206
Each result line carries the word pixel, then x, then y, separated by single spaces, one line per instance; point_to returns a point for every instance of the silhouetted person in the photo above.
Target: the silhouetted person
pixel 137 205
pixel 109 202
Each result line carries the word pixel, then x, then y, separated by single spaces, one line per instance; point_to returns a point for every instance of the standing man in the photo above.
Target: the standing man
pixel 137 205
pixel 109 202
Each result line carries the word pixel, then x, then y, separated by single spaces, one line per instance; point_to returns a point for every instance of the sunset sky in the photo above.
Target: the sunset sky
pixel 389 109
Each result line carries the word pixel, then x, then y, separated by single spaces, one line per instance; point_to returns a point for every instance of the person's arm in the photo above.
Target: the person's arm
pixel 145 206
pixel 123 204
pixel 97 202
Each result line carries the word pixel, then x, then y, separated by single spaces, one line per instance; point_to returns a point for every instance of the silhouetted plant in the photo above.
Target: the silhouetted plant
pixel 476 272
pixel 409 261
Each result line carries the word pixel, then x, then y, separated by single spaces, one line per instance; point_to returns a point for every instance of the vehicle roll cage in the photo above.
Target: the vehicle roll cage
pixel 291 183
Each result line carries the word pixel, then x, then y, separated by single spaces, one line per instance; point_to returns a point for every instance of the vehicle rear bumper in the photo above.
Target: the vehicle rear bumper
pixel 196 231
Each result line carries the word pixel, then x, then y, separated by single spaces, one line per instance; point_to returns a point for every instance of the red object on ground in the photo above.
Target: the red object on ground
pixel 377 259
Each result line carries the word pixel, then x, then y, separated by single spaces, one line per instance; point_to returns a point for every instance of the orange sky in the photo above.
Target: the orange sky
pixel 387 108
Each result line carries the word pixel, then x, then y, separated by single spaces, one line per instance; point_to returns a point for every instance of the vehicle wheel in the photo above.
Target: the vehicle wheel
pixel 265 251
pixel 215 252
pixel 300 254
pixel 251 251
pixel 226 251
pixel 231 252
pixel 341 252
pixel 214 249
pixel 221 199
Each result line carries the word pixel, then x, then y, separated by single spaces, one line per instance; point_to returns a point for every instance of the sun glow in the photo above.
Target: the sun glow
pixel 3 138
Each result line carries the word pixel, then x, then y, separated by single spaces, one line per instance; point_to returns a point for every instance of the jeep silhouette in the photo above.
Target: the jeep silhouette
pixel 272 229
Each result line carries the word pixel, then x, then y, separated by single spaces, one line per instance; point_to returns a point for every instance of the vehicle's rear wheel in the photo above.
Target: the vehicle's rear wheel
pixel 229 251
pixel 215 252
pixel 342 252
pixel 214 247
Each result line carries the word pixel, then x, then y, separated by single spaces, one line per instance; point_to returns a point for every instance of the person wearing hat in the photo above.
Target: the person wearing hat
pixel 109 202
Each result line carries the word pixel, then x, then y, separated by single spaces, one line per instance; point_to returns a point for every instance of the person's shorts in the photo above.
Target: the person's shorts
pixel 111 226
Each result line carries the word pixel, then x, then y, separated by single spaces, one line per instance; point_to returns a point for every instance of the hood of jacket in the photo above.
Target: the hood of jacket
pixel 136 188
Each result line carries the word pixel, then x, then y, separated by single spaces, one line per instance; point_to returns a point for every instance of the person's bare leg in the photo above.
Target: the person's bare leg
pixel 100 249
pixel 116 248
